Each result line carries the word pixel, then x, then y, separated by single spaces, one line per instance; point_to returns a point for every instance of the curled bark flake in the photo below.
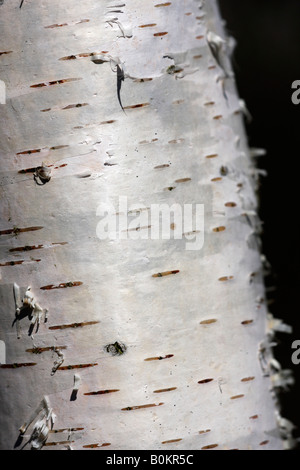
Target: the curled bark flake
pixel 28 307
pixel 45 418
pixel 77 383
pixel 59 361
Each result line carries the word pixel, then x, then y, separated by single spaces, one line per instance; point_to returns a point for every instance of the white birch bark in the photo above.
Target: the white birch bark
pixel 196 369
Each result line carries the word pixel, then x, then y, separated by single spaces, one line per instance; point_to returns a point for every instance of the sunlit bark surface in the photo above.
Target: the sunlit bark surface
pixel 128 343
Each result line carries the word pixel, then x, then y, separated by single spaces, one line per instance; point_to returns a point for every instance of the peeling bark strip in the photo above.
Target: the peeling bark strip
pixel 139 407
pixel 159 358
pixel 219 229
pixel 247 322
pixel 77 366
pixel 96 446
pixel 230 204
pixel 218 178
pixel 73 325
pixel 137 229
pixel 55 82
pixel 210 446
pixel 109 121
pixel 59 443
pixel 235 397
pixel 187 234
pixel 158 167
pixel 66 24
pixel 29 152
pixel 16 263
pixel 27 170
pixel 183 180
pixel 205 381
pixel 70 106
pixel 205 431
pixel 263 443
pixel 63 285
pixel 165 390
pixel 139 105
pixel 226 278
pixel 38 350
pixel 17 230
pixel 84 55
pixel 78 105
pixel 213 155
pixel 6 52
pixel 142 80
pixel 56 431
pixel 147 25
pixel 166 273
pixel 176 141
pixel 18 365
pixel 208 322
pixel 34 247
pixel 171 441
pixel 101 392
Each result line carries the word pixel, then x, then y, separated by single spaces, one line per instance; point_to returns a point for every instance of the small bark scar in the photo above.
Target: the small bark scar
pixel 42 175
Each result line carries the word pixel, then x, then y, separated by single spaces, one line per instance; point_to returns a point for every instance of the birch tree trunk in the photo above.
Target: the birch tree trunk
pixel 124 341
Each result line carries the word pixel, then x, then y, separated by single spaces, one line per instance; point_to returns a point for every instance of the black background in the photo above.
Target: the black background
pixel 266 62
